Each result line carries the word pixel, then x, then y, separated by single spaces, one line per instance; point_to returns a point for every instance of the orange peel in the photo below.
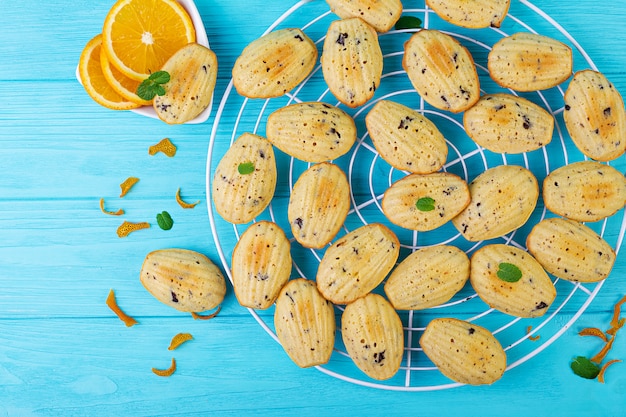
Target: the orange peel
pixel 533 338
pixel 127 185
pixel 179 339
pixel 127 228
pixel 593 331
pixel 599 357
pixel 197 316
pixel 112 304
pixel 119 212
pixel 166 372
pixel 165 146
pixel 184 204
pixel 604 368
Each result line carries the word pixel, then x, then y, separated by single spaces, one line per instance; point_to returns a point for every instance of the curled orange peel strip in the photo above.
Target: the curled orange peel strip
pixel 119 212
pixel 127 228
pixel 127 185
pixel 593 331
pixel 197 316
pixel 604 368
pixel 179 339
pixel 165 146
pixel 184 204
pixel 599 357
pixel 112 303
pixel 166 372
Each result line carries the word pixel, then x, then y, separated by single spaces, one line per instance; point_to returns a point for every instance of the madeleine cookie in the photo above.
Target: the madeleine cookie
pixel 318 205
pixel 511 281
pixel 380 14
pixel 506 123
pixel 425 202
pixel 352 61
pixel 428 277
pixel 260 264
pixel 471 14
pixel 305 323
pixel 503 198
pixel 463 351
pixel 312 131
pixel 373 335
pixel 405 138
pixel 529 62
pixel 274 64
pixel 193 73
pixel 586 191
pixel 357 262
pixel 570 250
pixel 245 179
pixel 441 70
pixel 595 117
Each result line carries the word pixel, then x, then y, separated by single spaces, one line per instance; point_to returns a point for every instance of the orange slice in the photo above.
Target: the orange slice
pixel 140 35
pixel 124 86
pixel 92 78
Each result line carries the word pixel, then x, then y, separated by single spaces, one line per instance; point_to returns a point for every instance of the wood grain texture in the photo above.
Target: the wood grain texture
pixel 64 353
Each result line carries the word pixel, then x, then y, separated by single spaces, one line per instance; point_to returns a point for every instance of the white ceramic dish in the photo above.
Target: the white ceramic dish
pixel 202 39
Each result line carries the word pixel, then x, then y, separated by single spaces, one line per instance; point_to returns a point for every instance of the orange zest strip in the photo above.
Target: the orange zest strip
pixel 603 369
pixel 119 212
pixel 165 146
pixel 179 339
pixel 112 303
pixel 166 372
pixel 616 323
pixel 182 203
pixel 197 316
pixel 127 228
pixel 602 354
pixel 613 330
pixel 127 185
pixel 533 338
pixel 593 331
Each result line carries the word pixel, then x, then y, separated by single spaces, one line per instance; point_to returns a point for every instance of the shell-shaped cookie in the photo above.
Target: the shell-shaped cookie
pixel 503 198
pixel 463 351
pixel 193 73
pixel 586 191
pixel 405 138
pixel 441 70
pixel 311 131
pixel 373 335
pixel 183 279
pixel 260 265
pixel 428 277
pixel 529 62
pixel 305 323
pixel 425 202
pixel 352 61
pixel 506 123
pixel 594 116
pixel 274 64
pixel 474 14
pixel 357 262
pixel 245 179
pixel 528 294
pixel 570 250
pixel 318 205
pixel 380 14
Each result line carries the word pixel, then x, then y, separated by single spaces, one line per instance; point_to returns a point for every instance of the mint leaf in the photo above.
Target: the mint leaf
pixel 152 86
pixel 425 204
pixel 160 77
pixel 509 272
pixel 408 22
pixel 584 368
pixel 246 168
pixel 164 220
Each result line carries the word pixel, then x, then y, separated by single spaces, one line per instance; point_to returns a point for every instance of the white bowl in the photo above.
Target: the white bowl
pixel 202 39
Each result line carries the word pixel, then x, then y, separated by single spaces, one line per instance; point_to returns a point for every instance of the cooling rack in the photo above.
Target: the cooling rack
pixel 369 176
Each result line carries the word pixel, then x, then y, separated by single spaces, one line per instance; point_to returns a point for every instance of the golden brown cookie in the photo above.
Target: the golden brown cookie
pixel 474 14
pixel 380 14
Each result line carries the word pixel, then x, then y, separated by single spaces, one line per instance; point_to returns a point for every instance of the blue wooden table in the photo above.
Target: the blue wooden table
pixel 62 350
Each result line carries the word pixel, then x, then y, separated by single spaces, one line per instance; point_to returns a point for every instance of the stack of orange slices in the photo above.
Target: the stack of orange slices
pixel 138 37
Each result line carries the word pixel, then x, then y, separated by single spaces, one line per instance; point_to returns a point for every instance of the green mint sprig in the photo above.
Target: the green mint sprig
pixel 153 85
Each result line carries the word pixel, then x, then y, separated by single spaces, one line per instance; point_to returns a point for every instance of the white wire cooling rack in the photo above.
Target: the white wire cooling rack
pixel 369 176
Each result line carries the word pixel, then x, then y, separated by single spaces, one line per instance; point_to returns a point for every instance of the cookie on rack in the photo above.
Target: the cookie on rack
pixel 260 264
pixel 594 116
pixel 428 277
pixel 274 64
pixel 318 205
pixel 505 123
pixel 373 335
pixel 380 14
pixel 352 61
pixel 305 323
pixel 311 131
pixel 425 202
pixel 529 62
pixel 441 70
pixel 570 250
pixel 471 14
pixel 511 281
pixel 463 351
pixel 502 200
pixel 405 138
pixel 245 179
pixel 586 191
pixel 357 262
